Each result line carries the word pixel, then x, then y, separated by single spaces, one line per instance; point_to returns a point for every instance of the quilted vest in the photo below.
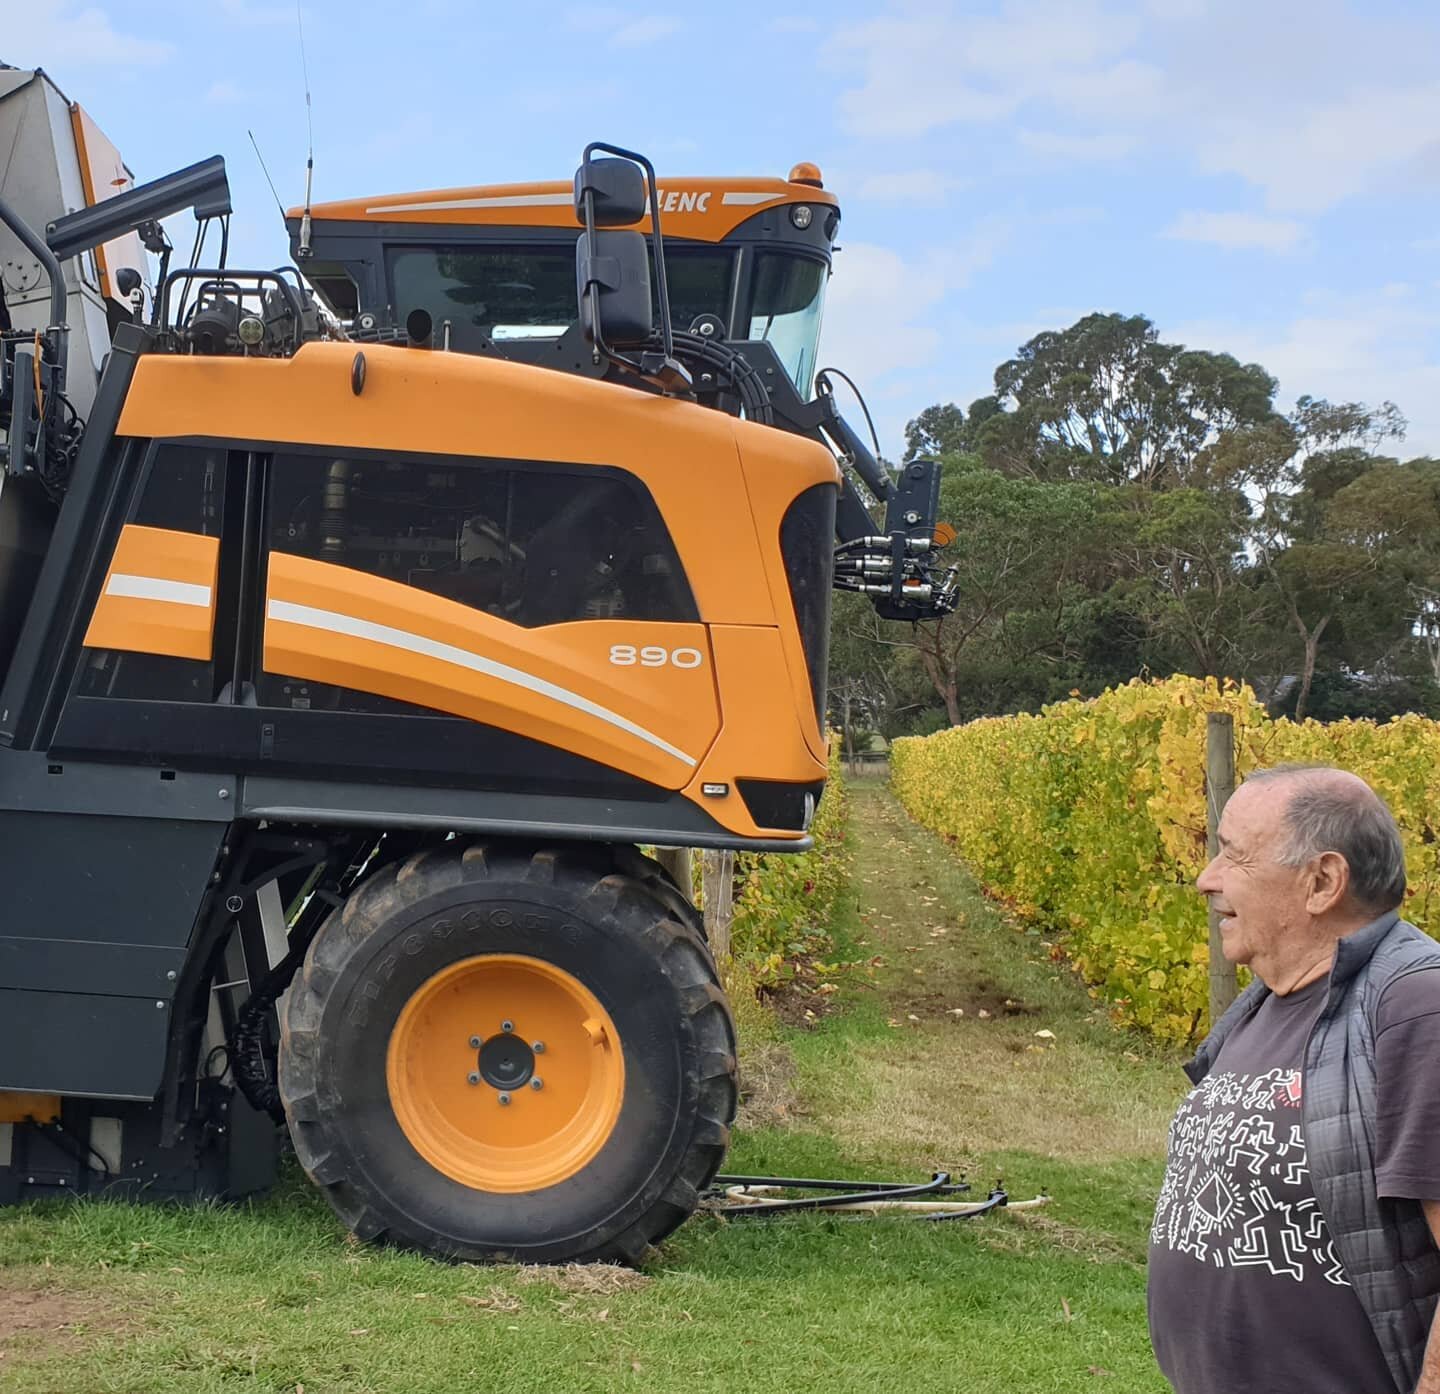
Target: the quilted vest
pixel 1386 1246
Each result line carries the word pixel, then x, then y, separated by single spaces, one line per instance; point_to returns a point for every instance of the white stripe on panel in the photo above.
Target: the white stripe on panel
pixel 334 623
pixel 499 201
pixel 153 588
pixel 749 198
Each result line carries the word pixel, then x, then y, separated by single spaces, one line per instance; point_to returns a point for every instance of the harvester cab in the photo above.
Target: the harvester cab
pixel 737 290
pixel 355 674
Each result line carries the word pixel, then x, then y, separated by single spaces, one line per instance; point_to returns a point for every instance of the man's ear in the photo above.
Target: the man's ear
pixel 1329 883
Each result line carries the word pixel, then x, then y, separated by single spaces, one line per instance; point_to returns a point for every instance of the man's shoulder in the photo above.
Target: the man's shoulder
pixel 1410 988
pixel 1402 949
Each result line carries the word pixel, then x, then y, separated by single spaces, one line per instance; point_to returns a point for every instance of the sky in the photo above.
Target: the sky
pixel 1259 178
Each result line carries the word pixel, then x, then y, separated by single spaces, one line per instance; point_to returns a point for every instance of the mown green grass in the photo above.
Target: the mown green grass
pixel 271 1296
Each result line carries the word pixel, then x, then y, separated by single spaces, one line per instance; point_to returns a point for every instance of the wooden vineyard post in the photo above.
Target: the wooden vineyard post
pixel 676 860
pixel 718 891
pixel 1219 785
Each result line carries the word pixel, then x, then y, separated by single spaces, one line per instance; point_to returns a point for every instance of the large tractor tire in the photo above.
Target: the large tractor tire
pixel 498 1054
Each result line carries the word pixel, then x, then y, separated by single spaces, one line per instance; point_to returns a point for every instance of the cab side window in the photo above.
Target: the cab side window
pixel 532 544
pixel 181 491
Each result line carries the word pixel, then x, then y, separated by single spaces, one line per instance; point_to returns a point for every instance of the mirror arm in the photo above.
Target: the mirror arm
pixel 658 249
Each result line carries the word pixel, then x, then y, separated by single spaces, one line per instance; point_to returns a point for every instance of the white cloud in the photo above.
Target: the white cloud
pixel 926 68
pixel 224 93
pixel 921 187
pixel 60 35
pixel 1063 145
pixel 646 30
pixel 1233 230
pixel 912 82
pixel 621 28
pixel 1381 344
pixel 594 20
pixel 1330 152
pixel 876 316
pixel 253 16
pixel 1310 101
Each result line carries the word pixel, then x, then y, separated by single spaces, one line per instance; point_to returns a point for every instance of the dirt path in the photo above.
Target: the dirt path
pixel 970 1043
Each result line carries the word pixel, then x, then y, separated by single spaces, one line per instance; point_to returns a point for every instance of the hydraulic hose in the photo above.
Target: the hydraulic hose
pixel 730 365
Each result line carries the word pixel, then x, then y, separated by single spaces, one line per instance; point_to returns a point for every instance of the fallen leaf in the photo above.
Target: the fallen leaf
pixel 1065 1307
pixel 983 1014
pixel 957 1011
pixel 912 1017
pixel 1046 1035
pixel 1099 1370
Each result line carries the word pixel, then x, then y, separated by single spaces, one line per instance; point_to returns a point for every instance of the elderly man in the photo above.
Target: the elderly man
pixel 1294 1245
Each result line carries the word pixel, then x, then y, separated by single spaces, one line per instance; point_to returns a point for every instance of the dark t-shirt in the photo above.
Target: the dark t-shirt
pixel 1247 1295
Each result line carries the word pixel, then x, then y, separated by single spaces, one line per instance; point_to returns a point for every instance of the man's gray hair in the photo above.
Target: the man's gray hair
pixel 1333 811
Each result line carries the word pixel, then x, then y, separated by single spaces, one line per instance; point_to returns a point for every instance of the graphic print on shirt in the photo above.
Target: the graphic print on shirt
pixel 1237 1188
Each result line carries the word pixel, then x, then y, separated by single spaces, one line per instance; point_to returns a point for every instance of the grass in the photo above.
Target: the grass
pixel 272 1296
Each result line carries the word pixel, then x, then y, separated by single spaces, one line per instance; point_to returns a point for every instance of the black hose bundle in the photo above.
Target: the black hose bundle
pixel 249 1058
pixel 729 365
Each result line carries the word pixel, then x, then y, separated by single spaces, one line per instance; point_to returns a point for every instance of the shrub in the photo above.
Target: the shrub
pixel 784 902
pixel 1089 821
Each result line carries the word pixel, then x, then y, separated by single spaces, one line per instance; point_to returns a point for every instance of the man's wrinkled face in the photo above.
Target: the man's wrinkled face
pixel 1259 900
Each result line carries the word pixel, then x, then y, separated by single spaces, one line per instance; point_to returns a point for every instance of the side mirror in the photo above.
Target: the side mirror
pixel 618 187
pixel 617 266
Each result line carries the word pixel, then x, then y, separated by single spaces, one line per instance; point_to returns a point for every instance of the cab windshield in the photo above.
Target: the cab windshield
pixel 500 293
pixel 496 292
pixel 786 307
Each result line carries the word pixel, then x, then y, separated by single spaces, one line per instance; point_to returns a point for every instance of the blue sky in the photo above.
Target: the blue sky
pixel 1260 178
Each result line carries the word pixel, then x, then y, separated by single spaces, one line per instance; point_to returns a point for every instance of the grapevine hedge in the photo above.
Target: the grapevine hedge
pixel 1089 819
pixel 784 902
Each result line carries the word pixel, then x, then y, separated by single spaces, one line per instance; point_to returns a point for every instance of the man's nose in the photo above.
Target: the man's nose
pixel 1207 883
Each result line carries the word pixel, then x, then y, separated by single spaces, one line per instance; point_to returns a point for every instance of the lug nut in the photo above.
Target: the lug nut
pixel 507 1025
pixel 476 1042
pixel 472 1078
pixel 504 1099
pixel 537 1083
pixel 538 1047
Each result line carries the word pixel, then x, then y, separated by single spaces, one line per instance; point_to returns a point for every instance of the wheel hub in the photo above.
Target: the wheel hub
pixel 506 1062
pixel 529 1133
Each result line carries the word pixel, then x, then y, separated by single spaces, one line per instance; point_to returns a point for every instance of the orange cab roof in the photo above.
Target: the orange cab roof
pixel 703 209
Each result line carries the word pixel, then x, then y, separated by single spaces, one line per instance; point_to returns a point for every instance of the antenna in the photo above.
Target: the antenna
pixel 265 171
pixel 302 252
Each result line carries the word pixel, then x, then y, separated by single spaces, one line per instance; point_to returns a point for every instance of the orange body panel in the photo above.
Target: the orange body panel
pixel 705 210
pixel 458 404
pixel 757 735
pixel 332 624
pixel 159 594
pixel 721 485
pixel 20 1108
pixel 771 493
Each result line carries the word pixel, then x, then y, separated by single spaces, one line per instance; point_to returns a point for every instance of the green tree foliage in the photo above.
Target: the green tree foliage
pixel 1106 401
pixel 938 430
pixel 1128 506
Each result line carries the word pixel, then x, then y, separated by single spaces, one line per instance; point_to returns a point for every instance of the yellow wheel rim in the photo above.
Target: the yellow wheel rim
pixel 464 1087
